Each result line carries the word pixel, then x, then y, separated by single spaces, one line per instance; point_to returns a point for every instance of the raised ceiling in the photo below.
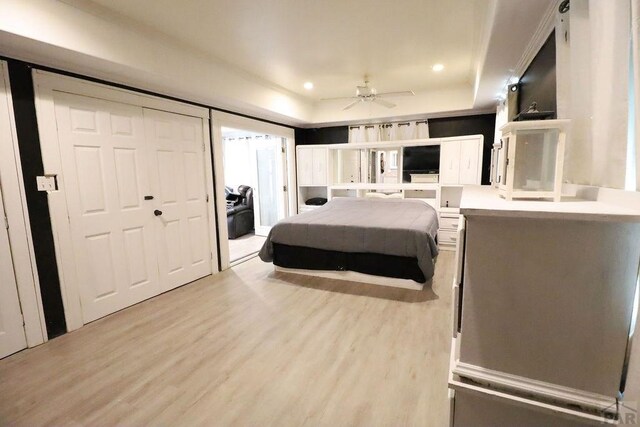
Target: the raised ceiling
pixel 253 57
pixel 332 43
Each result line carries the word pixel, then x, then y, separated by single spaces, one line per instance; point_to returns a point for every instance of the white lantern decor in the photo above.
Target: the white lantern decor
pixel 530 164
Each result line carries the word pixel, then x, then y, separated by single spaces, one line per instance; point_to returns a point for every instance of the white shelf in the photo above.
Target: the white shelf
pixel 385 186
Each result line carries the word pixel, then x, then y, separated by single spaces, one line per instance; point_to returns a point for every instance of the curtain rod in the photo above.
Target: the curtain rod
pixel 384 125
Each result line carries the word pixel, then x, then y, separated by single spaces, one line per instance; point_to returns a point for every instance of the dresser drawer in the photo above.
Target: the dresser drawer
pixel 447 237
pixel 449 222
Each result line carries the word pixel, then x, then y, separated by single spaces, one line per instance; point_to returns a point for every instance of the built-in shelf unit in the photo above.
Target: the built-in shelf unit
pixel 433 170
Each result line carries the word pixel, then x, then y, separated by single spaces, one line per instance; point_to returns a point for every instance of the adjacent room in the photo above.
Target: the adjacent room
pixel 349 213
pixel 255 188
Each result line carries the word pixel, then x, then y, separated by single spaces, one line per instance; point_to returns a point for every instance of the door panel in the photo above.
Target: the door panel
pixel 469 155
pixel 12 337
pixel 105 179
pixel 319 166
pixel 449 162
pixel 268 165
pixel 305 166
pixel 176 164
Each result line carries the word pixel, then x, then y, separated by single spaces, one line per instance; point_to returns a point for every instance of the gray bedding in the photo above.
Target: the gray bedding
pixel 383 226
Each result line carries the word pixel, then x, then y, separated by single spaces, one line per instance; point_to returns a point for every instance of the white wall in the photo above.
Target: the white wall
pixel 236 163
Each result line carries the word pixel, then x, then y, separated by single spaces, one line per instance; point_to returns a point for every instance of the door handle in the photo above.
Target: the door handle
pixel 148 197
pixel 157 212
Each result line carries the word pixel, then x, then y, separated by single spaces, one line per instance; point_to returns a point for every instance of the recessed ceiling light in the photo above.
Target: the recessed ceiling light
pixel 437 67
pixel 308 85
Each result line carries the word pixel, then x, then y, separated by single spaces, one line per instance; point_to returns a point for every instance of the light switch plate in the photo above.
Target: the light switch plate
pixel 46 183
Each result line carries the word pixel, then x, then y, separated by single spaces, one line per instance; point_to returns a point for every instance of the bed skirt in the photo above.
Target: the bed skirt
pixel 392 266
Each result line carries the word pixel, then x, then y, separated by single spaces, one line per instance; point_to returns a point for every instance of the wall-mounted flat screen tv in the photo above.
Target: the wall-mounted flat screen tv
pixel 420 160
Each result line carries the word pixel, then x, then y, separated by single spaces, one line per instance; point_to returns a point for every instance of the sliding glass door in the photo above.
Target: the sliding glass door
pixel 269 164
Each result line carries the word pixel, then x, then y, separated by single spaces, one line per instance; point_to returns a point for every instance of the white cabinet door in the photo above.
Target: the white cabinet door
pixel 470 150
pixel 450 162
pixel 305 166
pixel 12 337
pixel 176 163
pixel 105 179
pixel 319 166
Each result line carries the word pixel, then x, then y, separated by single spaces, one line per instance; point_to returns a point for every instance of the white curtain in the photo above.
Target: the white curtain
pixel 356 134
pixel 389 131
pixel 422 129
pixel 635 45
pixel 372 133
pixel 406 130
pixel 593 59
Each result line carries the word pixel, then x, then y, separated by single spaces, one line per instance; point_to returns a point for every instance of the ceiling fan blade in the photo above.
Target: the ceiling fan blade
pixel 357 101
pixel 383 102
pixel 401 93
pixel 339 97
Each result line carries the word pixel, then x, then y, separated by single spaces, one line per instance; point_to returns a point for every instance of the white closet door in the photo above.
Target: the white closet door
pixel 12 337
pixel 305 166
pixel 449 162
pixel 319 166
pixel 103 152
pixel 469 156
pixel 176 162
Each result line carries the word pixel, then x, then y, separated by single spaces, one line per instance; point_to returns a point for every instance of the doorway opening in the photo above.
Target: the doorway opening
pixel 255 188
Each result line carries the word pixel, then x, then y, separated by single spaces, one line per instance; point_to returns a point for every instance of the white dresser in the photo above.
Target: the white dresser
pixel 543 303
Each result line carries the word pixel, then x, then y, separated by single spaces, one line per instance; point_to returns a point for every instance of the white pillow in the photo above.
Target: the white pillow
pixel 384 196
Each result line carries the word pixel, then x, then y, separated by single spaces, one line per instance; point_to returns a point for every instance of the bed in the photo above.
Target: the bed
pixel 388 238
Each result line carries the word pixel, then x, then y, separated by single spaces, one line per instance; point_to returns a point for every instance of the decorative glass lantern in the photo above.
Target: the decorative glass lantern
pixel 531 159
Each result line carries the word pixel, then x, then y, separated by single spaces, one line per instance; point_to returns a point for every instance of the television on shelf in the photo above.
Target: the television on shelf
pixel 420 161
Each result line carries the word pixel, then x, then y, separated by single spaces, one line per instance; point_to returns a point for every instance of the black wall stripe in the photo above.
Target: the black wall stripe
pixel 215 193
pixel 30 155
pixel 538 82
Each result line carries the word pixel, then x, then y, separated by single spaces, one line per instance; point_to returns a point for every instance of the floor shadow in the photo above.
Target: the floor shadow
pixel 357 288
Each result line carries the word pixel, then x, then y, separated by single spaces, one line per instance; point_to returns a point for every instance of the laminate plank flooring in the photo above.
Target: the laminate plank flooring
pixel 244 246
pixel 247 347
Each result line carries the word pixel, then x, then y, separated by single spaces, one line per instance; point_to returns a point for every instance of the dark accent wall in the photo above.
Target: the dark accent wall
pixel 483 124
pixel 538 83
pixel 328 135
pixel 30 156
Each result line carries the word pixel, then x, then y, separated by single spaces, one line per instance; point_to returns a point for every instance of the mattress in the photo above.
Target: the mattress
pixel 401 228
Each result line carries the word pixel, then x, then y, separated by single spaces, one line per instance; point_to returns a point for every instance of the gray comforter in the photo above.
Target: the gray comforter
pixel 382 226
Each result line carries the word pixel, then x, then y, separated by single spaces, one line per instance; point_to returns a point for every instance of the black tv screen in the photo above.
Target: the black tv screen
pixel 423 159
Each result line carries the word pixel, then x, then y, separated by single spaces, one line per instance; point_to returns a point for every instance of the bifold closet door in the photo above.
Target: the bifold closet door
pixel 103 154
pixel 176 163
pixel 12 337
pixel 134 181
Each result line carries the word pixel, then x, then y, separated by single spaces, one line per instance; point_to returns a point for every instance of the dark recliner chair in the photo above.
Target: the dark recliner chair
pixel 240 212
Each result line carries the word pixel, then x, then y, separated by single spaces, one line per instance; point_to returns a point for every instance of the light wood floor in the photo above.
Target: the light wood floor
pixel 245 246
pixel 246 347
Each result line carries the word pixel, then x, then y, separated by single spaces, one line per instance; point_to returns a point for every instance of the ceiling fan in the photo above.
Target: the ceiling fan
pixel 367 93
